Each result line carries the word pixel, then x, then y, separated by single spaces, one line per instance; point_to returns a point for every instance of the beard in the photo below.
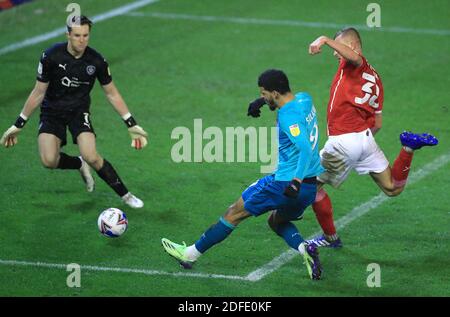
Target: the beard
pixel 271 104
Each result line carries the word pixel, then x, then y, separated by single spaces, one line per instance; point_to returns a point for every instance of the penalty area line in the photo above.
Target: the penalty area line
pixel 344 221
pixel 290 23
pixel 271 266
pixel 119 270
pixel 57 32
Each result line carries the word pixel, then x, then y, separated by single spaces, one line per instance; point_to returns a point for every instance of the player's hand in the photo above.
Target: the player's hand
pixel 254 108
pixel 293 189
pixel 9 138
pixel 138 137
pixel 315 47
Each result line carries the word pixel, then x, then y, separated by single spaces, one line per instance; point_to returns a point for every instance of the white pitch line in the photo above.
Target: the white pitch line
pixel 118 269
pixel 55 33
pixel 273 265
pixel 356 213
pixel 295 23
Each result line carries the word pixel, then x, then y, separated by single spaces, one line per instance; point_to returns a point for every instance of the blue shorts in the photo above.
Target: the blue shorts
pixel 267 194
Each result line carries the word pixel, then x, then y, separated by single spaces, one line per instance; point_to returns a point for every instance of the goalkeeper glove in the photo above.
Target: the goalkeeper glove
pixel 293 189
pixel 137 134
pixel 138 137
pixel 255 106
pixel 9 138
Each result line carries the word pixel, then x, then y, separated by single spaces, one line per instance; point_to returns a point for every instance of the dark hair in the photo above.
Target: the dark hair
pixel 80 20
pixel 349 31
pixel 274 79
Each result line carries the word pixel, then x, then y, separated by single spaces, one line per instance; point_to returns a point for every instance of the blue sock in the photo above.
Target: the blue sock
pixel 214 235
pixel 289 232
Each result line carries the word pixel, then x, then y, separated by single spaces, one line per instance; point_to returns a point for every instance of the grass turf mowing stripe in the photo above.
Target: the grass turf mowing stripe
pixel 294 23
pixel 55 33
pixel 356 213
pixel 273 265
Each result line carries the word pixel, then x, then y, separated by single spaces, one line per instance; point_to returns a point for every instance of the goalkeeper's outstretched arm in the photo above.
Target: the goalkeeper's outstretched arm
pixel 35 98
pixel 137 134
pixel 9 138
pixel 115 99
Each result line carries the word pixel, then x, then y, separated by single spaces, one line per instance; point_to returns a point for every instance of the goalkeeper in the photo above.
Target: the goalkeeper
pixel 65 77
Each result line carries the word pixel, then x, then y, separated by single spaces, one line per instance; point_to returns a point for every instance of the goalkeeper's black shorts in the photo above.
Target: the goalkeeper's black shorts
pixel 57 122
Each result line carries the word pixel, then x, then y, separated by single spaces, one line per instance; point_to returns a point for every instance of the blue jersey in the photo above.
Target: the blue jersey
pixel 298 140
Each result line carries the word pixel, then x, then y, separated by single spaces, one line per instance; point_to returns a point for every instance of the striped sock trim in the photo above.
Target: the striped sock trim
pixel 226 223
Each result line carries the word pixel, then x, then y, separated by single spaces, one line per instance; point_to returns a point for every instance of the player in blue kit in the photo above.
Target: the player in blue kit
pixel 287 192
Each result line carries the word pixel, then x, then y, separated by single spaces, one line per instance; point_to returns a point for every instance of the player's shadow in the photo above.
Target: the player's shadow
pixel 83 207
pixel 168 216
pixel 43 205
pixel 120 243
pixel 60 191
pixel 57 191
pixel 334 271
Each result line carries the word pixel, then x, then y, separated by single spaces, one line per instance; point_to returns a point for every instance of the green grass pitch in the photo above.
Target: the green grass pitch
pixel 174 70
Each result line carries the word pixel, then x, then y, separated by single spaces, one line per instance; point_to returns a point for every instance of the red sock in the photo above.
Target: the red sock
pixel 324 212
pixel 400 170
pixel 6 4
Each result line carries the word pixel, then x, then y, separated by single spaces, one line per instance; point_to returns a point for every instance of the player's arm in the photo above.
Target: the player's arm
pixel 35 98
pixel 345 51
pixel 138 135
pixel 303 144
pixel 378 123
pixel 115 98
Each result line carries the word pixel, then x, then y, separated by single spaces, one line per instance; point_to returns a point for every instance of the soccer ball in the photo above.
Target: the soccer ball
pixel 112 222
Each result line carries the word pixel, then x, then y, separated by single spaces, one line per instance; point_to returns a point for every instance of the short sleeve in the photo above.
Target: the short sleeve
pixel 103 73
pixel 295 129
pixel 380 97
pixel 345 63
pixel 43 70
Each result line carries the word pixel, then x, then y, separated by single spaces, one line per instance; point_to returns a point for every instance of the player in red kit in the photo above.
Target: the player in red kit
pixel 354 115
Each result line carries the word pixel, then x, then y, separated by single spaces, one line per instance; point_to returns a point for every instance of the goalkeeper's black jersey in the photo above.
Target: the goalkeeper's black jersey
pixel 70 80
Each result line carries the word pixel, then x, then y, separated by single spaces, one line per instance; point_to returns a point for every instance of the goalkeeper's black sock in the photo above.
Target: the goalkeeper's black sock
pixel 67 162
pixel 109 175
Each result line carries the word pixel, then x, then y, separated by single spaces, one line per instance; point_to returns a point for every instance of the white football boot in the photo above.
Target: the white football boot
pixel 132 201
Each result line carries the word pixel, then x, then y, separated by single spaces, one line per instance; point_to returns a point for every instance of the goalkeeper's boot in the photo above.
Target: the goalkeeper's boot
pixel 132 201
pixel 86 175
pixel 311 260
pixel 321 241
pixel 178 252
pixel 416 141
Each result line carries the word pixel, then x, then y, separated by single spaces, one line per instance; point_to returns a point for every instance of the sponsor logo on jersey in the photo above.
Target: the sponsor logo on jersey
pixel 62 66
pixel 65 81
pixel 90 70
pixel 294 129
pixel 39 68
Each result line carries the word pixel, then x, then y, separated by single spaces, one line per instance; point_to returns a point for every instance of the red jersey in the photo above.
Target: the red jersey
pixel 356 95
